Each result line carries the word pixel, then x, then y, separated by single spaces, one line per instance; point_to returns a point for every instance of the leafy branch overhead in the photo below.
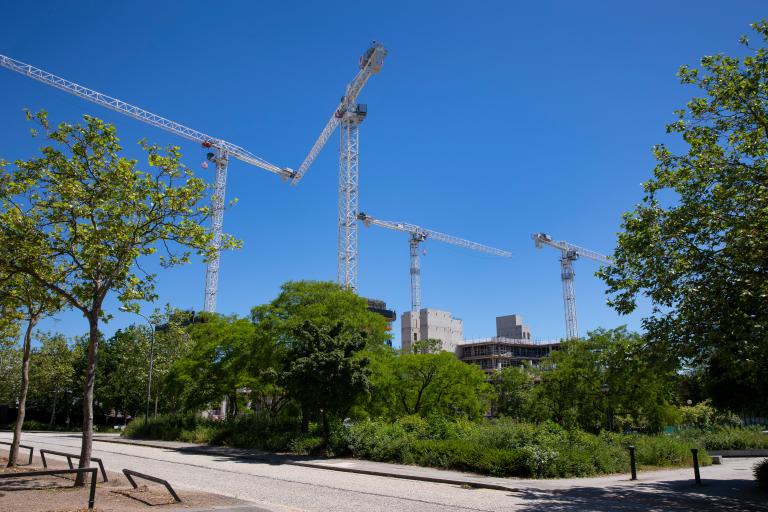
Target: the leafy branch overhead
pixel 697 245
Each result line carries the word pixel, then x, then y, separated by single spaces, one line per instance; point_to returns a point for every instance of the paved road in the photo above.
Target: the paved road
pixel 281 487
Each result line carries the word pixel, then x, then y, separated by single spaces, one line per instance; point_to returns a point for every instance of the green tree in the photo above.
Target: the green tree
pixel 325 371
pixel 514 393
pixel 609 380
pixel 77 219
pixel 10 364
pixel 428 384
pixel 697 244
pixel 323 303
pixel 23 298
pixel 226 355
pixel 51 371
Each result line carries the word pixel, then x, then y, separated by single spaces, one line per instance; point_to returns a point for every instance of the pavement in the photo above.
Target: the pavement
pixel 283 483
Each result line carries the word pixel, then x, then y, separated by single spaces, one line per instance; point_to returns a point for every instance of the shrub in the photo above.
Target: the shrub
pixel 761 474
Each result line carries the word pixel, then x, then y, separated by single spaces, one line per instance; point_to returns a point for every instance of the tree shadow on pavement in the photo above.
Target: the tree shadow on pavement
pixel 721 495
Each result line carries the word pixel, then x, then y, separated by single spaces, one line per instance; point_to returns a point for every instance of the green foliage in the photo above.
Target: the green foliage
pixel 609 378
pixel 514 390
pixel 10 367
pixel 507 448
pixel 428 384
pixel 703 415
pixel 727 438
pixel 325 371
pixel 760 471
pixel 225 354
pixel 697 245
pixel 323 303
pixel 76 219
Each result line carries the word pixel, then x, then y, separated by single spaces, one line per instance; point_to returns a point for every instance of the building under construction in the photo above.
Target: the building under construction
pixel 512 346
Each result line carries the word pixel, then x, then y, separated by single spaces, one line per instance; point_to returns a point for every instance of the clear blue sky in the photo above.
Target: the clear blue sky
pixel 489 121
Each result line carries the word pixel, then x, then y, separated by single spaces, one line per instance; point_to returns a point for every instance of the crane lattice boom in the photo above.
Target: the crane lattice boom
pixel 418 235
pixel 220 157
pixel 424 233
pixel 142 115
pixel 567 248
pixel 370 63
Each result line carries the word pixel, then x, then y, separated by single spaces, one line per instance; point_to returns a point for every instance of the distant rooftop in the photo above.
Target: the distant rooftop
pixel 510 341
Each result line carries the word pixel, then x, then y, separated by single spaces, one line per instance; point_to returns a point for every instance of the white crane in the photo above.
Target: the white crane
pixel 418 235
pixel 569 254
pixel 350 115
pixel 222 150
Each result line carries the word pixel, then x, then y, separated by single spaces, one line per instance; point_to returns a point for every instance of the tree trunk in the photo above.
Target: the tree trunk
pixel 90 380
pixel 14 452
pixel 326 429
pixel 304 419
pixel 53 409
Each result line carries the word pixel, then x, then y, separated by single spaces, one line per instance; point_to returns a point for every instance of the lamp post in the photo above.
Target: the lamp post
pixel 609 413
pixel 151 358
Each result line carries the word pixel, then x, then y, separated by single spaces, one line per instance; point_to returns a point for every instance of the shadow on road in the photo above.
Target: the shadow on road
pixel 721 495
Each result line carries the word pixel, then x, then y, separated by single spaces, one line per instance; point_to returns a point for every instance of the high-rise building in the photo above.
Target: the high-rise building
pixel 431 324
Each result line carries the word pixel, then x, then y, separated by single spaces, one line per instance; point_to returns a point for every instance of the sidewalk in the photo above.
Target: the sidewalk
pixel 731 469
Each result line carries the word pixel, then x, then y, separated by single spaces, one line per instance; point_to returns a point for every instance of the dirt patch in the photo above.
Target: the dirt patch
pixel 56 494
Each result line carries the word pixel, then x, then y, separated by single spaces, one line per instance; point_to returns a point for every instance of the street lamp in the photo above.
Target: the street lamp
pixel 609 413
pixel 151 357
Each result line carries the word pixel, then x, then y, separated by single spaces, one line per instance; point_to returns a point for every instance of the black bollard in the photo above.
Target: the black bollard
pixel 632 466
pixel 695 453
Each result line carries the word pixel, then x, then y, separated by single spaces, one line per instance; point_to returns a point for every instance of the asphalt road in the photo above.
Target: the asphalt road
pixel 283 487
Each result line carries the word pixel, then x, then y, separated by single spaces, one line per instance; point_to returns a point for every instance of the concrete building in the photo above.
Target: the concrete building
pixel 434 324
pixel 512 327
pixel 512 345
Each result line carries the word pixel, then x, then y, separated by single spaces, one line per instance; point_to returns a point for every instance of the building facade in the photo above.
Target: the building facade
pixel 431 324
pixel 512 346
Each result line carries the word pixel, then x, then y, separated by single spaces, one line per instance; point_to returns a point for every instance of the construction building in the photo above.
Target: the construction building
pixel 431 324
pixel 512 346
pixel 380 308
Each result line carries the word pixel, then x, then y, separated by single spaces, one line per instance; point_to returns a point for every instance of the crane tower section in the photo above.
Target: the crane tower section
pixel 568 254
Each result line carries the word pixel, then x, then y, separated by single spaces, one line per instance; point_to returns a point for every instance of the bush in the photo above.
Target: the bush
pixel 761 474
pixel 500 447
pixel 727 438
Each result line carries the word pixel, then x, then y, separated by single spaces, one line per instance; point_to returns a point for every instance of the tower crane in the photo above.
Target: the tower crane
pixel 219 155
pixel 349 114
pixel 417 236
pixel 569 254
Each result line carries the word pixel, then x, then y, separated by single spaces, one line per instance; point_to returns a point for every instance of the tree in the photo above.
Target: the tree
pixel 77 219
pixel 226 354
pixel 51 371
pixel 24 298
pixel 428 384
pixel 325 371
pixel 514 387
pixel 608 381
pixel 323 303
pixel 697 245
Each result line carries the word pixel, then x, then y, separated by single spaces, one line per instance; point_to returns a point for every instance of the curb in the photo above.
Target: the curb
pixel 208 449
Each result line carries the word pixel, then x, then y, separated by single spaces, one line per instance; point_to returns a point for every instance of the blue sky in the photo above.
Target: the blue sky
pixel 489 121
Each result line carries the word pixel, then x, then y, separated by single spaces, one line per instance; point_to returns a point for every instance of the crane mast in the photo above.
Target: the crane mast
pixel 222 150
pixel 569 253
pixel 419 235
pixel 349 114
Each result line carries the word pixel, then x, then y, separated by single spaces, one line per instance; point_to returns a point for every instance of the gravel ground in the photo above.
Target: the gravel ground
pixel 283 487
pixel 56 493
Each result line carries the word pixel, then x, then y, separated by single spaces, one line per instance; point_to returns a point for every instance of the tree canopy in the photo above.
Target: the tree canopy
pixel 76 219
